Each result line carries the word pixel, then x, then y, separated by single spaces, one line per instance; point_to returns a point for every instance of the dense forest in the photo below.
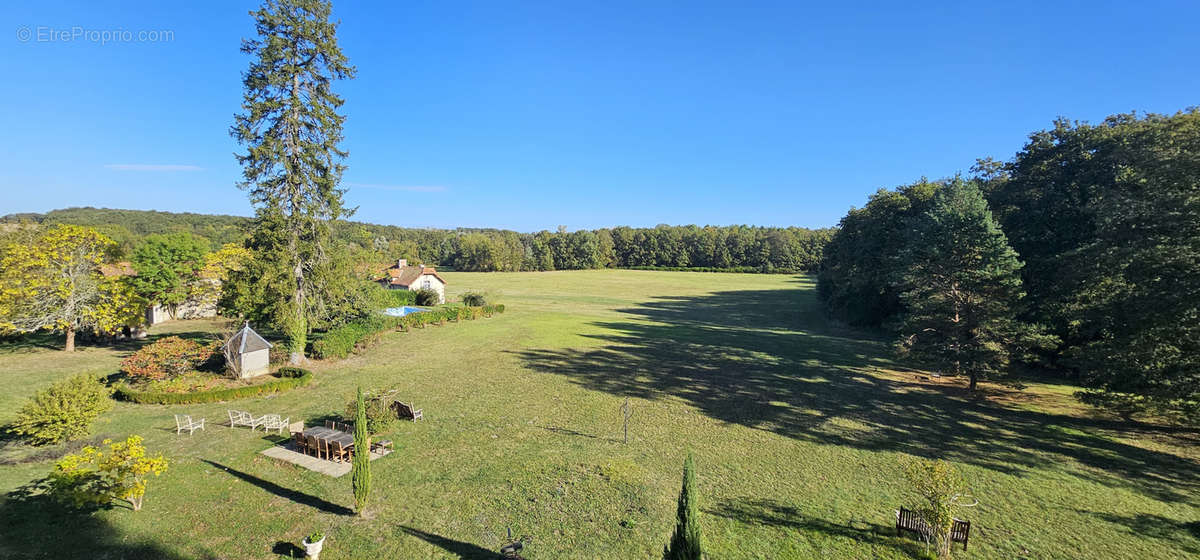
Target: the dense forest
pixel 745 248
pixel 1105 222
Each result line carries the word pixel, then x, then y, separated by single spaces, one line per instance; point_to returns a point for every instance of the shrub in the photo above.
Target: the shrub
pixel 380 416
pixel 95 477
pixel 472 299
pixel 168 357
pixel 939 490
pixel 295 377
pixel 340 342
pixel 63 411
pixel 426 297
pixel 396 298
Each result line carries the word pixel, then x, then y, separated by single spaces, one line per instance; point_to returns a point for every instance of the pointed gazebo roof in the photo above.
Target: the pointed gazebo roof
pixel 246 340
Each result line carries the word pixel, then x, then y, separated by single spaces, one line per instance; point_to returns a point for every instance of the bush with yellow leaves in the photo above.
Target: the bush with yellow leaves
pixel 95 477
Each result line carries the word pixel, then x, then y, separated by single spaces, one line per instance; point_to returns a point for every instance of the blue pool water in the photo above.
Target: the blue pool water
pixel 402 311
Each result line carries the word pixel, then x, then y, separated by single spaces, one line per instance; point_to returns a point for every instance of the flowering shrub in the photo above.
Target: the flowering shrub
pixel 94 477
pixel 168 357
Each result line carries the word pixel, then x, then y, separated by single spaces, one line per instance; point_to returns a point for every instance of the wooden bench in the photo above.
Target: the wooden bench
pixel 909 520
pixel 405 411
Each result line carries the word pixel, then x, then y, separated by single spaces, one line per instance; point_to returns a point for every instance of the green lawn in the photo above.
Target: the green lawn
pixel 796 426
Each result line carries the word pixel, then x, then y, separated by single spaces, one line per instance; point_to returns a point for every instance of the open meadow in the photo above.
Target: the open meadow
pixel 797 427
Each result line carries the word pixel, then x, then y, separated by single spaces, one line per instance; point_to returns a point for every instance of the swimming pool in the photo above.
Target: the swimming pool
pixel 402 311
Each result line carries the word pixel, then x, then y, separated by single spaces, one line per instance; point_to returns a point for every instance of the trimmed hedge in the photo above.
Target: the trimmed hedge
pixel 342 341
pixel 289 378
pixel 398 298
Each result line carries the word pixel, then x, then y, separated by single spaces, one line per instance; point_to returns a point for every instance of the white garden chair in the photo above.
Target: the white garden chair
pixel 185 422
pixel 240 418
pixel 274 422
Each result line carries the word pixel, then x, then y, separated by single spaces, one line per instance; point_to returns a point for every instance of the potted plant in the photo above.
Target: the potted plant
pixel 313 544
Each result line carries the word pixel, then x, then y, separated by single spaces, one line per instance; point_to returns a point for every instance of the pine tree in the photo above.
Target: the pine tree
pixel 686 542
pixel 961 288
pixel 361 477
pixel 292 165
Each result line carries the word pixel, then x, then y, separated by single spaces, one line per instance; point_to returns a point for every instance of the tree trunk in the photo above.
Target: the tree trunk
pixel 974 380
pixel 70 346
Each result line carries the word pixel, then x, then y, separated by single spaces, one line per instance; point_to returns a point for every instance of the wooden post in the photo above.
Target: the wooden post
pixel 627 411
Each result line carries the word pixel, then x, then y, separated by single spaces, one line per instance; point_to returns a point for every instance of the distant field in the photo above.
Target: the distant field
pixel 796 426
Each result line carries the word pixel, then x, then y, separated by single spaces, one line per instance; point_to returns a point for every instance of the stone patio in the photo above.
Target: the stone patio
pixel 287 453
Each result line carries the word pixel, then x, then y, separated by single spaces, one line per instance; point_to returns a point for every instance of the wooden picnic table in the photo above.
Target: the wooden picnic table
pixel 329 435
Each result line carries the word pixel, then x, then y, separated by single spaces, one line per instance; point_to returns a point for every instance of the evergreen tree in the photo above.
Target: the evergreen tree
pixel 686 542
pixel 292 165
pixel 361 477
pixel 960 288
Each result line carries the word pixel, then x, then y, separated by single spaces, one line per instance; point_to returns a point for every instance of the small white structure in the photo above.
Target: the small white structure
pixel 247 353
pixel 420 277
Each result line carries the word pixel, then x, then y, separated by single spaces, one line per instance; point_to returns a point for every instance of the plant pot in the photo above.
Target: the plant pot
pixel 313 549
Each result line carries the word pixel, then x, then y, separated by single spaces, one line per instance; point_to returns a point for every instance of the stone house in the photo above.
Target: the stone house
pixel 401 276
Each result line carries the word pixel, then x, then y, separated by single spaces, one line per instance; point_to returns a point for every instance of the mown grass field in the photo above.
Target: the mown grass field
pixel 796 425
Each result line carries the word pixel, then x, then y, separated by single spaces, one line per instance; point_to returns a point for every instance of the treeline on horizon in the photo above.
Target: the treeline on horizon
pixel 735 248
pixel 1105 221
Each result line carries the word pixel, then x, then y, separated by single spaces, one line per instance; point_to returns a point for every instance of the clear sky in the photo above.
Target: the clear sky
pixel 527 115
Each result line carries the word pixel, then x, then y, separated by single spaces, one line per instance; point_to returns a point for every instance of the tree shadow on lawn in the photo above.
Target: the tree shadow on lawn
pixel 462 549
pixel 37 526
pixel 1183 535
pixel 774 514
pixel 293 495
pixel 45 340
pixel 767 359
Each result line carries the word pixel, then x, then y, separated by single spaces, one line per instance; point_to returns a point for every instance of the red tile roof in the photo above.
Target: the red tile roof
pixel 406 276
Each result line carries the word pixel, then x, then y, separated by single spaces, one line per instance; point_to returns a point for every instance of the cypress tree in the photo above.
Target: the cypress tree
pixel 961 288
pixel 685 542
pixel 292 165
pixel 361 477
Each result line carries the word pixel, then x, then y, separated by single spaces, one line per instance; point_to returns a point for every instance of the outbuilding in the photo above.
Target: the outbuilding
pixel 247 353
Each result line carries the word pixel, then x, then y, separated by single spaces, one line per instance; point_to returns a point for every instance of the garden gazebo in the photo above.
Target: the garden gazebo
pixel 247 353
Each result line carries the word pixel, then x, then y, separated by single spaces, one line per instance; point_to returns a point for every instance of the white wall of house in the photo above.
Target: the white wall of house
pixel 187 310
pixel 430 281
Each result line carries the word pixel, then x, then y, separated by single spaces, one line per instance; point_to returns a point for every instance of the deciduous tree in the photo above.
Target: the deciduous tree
pixel 54 282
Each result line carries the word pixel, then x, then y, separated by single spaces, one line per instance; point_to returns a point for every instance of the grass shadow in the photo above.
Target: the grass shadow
pixel 1181 534
pixel 462 549
pixel 293 495
pixel 576 433
pixel 769 360
pixel 37 526
pixel 774 514
pixel 287 550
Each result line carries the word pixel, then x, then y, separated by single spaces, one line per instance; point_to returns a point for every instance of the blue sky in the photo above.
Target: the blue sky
pixel 527 115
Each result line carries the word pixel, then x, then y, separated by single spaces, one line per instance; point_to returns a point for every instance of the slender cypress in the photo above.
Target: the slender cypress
pixel 361 477
pixel 686 542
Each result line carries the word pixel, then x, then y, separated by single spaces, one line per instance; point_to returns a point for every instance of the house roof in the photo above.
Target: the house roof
pixel 407 275
pixel 246 340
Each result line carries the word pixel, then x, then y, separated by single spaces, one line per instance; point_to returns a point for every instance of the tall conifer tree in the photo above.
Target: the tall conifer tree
pixel 361 477
pixel 292 165
pixel 961 288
